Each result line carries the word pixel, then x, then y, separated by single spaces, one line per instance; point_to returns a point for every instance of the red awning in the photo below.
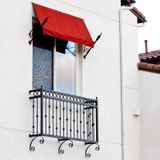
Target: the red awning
pixel 64 26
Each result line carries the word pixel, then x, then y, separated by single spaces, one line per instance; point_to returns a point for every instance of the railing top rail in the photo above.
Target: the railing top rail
pixel 87 104
pixel 64 94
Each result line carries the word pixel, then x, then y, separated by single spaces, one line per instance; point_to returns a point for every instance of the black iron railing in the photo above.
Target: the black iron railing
pixel 63 116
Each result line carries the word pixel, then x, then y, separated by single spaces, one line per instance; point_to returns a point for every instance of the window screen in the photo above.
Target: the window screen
pixel 42 68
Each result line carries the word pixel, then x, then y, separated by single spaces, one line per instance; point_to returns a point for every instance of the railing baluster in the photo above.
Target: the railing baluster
pixel 52 114
pixel 37 114
pixel 49 115
pixel 41 95
pixel 56 118
pixel 74 121
pixel 60 117
pixel 33 116
pixel 67 119
pixel 70 110
pixel 87 123
pixel 63 117
pixel 90 124
pixel 97 136
pixel 77 119
pixel 45 113
pixel 84 124
pixel 80 121
pixel 93 125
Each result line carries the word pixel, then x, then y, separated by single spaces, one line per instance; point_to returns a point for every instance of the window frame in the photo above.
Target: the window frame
pixel 78 64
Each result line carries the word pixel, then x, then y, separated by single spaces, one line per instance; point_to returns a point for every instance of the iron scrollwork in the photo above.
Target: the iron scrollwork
pixel 41 25
pixel 31 147
pixel 87 154
pixel 60 150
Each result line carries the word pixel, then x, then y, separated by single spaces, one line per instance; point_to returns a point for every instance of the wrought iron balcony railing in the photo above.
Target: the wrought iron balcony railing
pixel 63 116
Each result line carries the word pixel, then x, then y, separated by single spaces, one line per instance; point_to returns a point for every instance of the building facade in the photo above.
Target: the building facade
pixel 107 72
pixel 149 69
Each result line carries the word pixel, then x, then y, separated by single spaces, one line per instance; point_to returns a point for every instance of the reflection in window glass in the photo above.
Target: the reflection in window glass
pixel 65 69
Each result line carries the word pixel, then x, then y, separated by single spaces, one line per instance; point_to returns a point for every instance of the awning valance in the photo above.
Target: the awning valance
pixel 64 26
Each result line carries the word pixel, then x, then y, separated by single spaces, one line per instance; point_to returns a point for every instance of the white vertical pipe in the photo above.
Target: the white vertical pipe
pixel 122 78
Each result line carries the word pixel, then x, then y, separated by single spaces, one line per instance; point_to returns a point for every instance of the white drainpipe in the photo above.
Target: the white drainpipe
pixel 122 75
pixel 122 78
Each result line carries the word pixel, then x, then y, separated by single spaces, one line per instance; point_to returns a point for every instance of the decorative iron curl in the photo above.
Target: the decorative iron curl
pixel 88 155
pixel 60 150
pixel 31 147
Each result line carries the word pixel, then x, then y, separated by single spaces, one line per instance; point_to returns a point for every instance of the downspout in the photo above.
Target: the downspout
pixel 122 75
pixel 122 78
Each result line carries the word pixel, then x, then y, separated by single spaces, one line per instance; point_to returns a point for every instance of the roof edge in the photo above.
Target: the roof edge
pixel 149 67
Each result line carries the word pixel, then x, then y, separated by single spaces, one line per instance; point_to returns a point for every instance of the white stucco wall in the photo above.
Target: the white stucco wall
pixel 101 78
pixel 150 118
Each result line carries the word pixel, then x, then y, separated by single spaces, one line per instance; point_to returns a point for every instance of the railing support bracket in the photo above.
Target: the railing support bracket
pixel 87 154
pixel 31 147
pixel 60 150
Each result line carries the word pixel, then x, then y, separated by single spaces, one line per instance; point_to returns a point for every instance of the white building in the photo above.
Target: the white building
pixel 108 72
pixel 149 83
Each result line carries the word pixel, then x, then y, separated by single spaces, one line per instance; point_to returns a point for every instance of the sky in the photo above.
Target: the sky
pixel 151 29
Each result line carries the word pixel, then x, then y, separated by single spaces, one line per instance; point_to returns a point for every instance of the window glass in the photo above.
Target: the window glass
pixel 42 68
pixel 65 66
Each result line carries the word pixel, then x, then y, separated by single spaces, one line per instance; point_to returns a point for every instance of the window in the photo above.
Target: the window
pixel 54 62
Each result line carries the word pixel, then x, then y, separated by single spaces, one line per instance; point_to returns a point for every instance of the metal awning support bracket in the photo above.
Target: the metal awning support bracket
pixel 98 37
pixel 31 32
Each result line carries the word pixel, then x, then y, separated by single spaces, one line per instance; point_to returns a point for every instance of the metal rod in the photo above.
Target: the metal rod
pixel 60 118
pixel 146 46
pixel 67 119
pixel 70 110
pixel 41 110
pixel 98 37
pixel 49 116
pixel 77 113
pixel 33 117
pixel 37 116
pixel 97 127
pixel 84 123
pixel 56 118
pixel 80 121
pixel 93 125
pixel 63 118
pixel 74 120
pixel 45 114
pixel 53 117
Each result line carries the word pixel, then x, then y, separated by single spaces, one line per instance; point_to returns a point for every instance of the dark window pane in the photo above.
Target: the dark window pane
pixel 61 45
pixel 40 40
